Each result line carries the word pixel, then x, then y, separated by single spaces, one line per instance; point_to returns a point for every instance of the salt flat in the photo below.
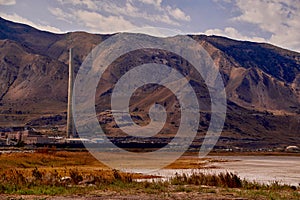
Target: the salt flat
pixel 261 169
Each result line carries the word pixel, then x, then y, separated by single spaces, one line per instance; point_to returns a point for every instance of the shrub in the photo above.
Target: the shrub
pixel 222 180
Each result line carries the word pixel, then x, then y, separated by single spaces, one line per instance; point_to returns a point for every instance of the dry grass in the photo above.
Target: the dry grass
pixel 53 182
pixel 48 158
pixel 60 163
pixel 75 182
pixel 51 172
pixel 229 180
pixel 45 158
pixel 55 172
pixel 192 162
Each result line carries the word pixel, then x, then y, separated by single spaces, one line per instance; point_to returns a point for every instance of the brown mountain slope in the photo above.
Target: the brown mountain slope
pixel 35 40
pixel 253 82
pixel 253 88
pixel 280 63
pixel 262 83
pixel 31 84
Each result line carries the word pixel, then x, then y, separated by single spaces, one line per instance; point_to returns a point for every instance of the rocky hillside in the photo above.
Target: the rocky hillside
pixel 262 84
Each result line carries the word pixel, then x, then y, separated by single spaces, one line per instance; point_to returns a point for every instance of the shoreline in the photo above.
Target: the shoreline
pixel 50 148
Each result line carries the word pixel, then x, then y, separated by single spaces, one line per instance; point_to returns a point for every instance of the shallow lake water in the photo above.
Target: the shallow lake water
pixel 262 169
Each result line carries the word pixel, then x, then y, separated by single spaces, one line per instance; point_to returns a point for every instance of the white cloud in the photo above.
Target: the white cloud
pixel 178 14
pixel 280 18
pixel 90 4
pixel 16 18
pixel 135 11
pixel 92 19
pixel 233 33
pixel 157 32
pixel 61 14
pixel 7 2
pixel 156 3
pixel 99 23
pixel 156 14
pixel 160 14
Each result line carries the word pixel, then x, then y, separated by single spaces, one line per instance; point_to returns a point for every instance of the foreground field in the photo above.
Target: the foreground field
pixel 51 174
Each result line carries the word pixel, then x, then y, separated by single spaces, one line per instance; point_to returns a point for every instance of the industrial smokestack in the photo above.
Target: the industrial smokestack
pixel 70 121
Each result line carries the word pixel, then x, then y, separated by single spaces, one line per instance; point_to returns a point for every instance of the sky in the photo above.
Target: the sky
pixel 272 21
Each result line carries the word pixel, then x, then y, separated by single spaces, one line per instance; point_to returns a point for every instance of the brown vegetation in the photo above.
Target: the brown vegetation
pixel 60 173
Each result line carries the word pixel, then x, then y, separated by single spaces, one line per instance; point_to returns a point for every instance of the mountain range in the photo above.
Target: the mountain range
pixel 262 85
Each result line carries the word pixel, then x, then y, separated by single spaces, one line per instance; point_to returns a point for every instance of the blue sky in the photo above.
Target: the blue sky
pixel 272 21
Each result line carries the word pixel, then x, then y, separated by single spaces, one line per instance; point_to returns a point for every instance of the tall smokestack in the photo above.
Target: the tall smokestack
pixel 70 122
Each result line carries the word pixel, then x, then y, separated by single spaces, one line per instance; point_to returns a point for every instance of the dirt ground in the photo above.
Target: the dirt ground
pixel 141 196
